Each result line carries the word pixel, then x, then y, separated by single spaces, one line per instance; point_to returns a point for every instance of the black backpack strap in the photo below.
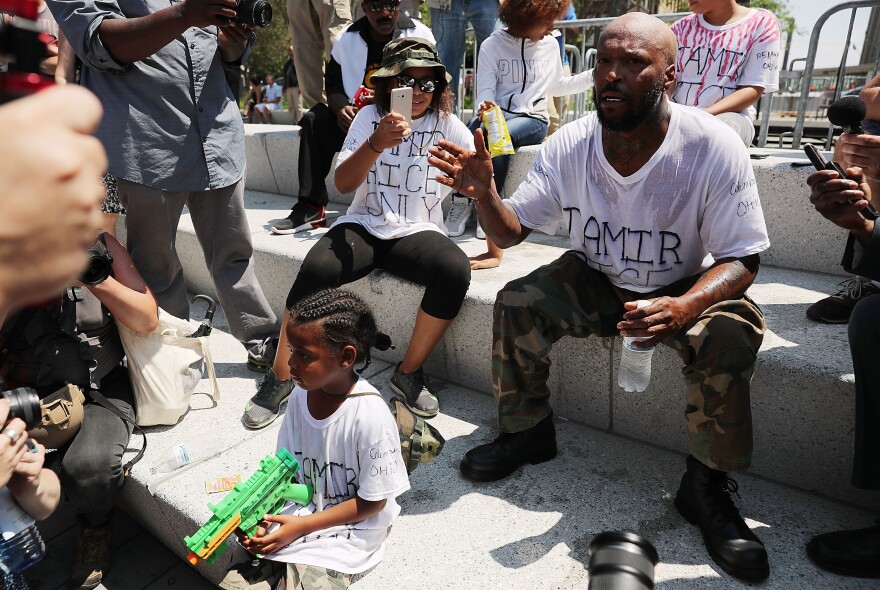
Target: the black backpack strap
pixel 102 401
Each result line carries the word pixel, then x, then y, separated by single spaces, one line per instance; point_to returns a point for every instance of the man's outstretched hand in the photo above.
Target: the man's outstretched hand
pixel 469 173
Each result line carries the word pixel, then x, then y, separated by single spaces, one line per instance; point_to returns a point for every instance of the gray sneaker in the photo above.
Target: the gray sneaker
pixel 413 390
pixel 265 406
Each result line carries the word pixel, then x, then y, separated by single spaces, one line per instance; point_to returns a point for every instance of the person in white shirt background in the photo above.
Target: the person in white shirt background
pixel 271 101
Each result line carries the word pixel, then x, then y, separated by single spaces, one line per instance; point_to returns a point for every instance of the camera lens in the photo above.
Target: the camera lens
pixel 254 12
pixel 100 265
pixel 24 403
pixel 621 561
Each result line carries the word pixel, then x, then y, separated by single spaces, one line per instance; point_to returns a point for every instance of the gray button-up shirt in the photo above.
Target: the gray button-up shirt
pixel 170 120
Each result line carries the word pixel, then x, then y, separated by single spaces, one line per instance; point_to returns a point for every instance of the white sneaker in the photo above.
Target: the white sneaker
pixel 481 235
pixel 458 216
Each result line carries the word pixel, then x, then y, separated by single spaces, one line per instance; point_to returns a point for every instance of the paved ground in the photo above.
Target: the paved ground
pixel 528 531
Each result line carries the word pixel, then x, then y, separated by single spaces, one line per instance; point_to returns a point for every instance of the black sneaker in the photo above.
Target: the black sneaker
pixel 265 406
pixel 303 216
pixel 848 553
pixel 412 388
pixel 704 500
pixel 836 309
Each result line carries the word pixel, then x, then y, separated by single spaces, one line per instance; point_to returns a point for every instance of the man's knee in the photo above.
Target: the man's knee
pixel 726 343
pixel 513 311
pixel 90 472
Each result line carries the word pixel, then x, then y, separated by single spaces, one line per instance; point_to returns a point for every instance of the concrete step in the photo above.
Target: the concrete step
pixel 803 395
pixel 530 530
pixel 800 237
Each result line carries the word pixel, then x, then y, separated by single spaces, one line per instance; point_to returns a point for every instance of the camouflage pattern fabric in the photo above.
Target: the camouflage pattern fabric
pixel 568 298
pixel 265 574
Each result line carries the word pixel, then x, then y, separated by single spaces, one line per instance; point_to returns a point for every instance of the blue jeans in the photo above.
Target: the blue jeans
pixel 448 27
pixel 523 131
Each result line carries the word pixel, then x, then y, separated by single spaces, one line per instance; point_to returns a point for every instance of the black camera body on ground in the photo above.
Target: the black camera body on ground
pixel 100 264
pixel 257 13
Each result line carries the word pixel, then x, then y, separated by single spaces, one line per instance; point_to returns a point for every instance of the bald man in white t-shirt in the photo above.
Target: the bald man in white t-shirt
pixel 662 206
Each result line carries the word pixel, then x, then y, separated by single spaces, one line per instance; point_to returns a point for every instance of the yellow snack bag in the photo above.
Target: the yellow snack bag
pixel 496 127
pixel 221 484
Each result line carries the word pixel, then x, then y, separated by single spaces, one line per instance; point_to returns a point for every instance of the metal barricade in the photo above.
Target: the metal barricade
pixel 809 66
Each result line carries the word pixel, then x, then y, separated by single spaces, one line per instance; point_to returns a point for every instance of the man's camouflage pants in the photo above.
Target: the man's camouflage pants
pixel 568 298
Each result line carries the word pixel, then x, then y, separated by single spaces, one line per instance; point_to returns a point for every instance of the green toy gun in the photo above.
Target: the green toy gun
pixel 265 492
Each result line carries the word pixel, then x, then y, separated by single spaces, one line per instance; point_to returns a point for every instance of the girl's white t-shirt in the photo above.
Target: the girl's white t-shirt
pixel 695 201
pixel 353 452
pixel 713 61
pixel 517 74
pixel 401 195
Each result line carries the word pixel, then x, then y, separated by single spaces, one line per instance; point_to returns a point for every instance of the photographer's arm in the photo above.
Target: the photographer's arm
pixel 132 39
pixel 233 40
pixel 125 293
pixel 36 488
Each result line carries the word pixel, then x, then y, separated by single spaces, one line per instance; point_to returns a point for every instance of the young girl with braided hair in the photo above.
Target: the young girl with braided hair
pixel 348 446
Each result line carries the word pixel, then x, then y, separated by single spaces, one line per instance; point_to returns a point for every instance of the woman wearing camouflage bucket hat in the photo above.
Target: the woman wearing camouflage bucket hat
pixel 395 221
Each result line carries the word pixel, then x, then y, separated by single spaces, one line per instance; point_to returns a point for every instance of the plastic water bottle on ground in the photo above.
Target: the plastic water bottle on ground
pixel 634 372
pixel 20 542
pixel 173 458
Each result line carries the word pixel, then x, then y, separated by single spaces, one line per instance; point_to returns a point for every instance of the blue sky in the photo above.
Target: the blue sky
pixel 831 41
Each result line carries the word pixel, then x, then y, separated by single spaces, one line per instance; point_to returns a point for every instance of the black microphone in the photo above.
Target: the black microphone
pixel 848 112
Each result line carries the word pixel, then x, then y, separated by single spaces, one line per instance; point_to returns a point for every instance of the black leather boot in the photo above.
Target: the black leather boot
pixel 506 453
pixel 849 553
pixel 704 500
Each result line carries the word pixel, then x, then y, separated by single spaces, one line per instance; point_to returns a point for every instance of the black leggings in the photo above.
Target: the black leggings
pixel 349 252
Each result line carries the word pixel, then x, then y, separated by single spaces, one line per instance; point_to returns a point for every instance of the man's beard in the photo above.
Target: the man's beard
pixel 650 102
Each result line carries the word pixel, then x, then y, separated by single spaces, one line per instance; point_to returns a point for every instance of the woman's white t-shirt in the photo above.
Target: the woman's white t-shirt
pixel 695 201
pixel 401 195
pixel 713 61
pixel 353 452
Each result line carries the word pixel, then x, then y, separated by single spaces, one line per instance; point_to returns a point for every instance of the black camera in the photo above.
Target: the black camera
pixel 100 265
pixel 24 403
pixel 621 561
pixel 257 13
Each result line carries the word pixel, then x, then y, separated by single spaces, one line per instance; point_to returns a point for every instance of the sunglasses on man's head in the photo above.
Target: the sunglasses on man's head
pixel 390 6
pixel 425 84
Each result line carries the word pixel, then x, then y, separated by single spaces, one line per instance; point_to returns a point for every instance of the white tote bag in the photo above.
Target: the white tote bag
pixel 165 368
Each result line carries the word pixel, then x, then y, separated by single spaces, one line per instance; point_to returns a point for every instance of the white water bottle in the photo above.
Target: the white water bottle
pixel 20 542
pixel 634 372
pixel 173 458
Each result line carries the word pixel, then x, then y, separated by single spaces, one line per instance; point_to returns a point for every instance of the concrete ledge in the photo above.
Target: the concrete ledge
pixel 272 153
pixel 800 238
pixel 282 117
pixel 803 397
